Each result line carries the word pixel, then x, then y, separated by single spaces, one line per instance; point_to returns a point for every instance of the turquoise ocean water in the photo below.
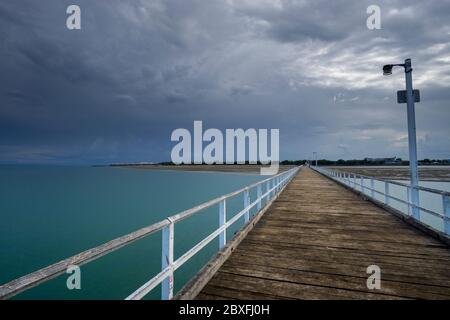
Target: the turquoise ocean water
pixel 48 213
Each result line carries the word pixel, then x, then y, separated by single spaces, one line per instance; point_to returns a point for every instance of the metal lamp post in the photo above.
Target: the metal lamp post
pixel 315 157
pixel 409 96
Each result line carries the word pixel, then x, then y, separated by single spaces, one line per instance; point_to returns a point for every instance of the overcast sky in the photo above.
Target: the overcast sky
pixel 116 89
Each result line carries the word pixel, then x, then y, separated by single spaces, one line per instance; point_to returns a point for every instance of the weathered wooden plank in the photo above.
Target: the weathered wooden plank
pixel 207 296
pixel 343 234
pixel 239 294
pixel 438 270
pixel 390 273
pixel 357 283
pixel 289 289
pixel 335 241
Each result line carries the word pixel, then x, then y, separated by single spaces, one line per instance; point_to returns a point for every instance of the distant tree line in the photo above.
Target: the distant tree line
pixel 364 162
pixel 340 162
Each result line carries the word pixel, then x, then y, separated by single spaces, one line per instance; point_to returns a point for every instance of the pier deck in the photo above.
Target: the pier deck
pixel 316 242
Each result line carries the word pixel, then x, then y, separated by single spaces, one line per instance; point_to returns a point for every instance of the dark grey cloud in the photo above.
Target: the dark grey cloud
pixel 137 70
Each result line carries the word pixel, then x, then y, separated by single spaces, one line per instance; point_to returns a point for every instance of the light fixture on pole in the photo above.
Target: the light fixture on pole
pixel 409 96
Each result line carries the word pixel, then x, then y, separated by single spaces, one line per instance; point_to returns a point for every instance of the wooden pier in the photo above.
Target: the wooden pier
pixel 317 240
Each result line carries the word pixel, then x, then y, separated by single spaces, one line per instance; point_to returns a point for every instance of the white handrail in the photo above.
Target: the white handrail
pixel 31 280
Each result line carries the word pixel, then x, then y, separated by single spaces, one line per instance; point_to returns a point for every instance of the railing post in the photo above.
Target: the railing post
pixel 354 181
pixel 222 221
pixel 386 192
pixel 167 260
pixel 267 191
pixel 362 184
pixel 415 211
pixel 408 199
pixel 273 187
pixel 246 204
pixel 372 191
pixel 259 194
pixel 446 206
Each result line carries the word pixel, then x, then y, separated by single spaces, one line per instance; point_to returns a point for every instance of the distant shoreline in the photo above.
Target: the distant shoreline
pixel 233 168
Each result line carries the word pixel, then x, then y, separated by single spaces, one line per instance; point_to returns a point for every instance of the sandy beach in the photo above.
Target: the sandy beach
pixel 253 169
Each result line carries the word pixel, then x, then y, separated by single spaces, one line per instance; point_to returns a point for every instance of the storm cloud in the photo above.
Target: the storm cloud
pixel 116 89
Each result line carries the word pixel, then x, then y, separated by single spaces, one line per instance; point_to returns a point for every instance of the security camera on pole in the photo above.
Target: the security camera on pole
pixel 409 96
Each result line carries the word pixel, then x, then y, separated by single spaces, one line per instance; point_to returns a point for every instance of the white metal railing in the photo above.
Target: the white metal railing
pixel 273 186
pixel 356 182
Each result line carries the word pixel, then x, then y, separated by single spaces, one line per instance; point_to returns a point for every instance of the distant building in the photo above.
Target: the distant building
pixel 385 161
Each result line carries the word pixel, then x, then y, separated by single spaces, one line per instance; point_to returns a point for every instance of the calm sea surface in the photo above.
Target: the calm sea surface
pixel 50 213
